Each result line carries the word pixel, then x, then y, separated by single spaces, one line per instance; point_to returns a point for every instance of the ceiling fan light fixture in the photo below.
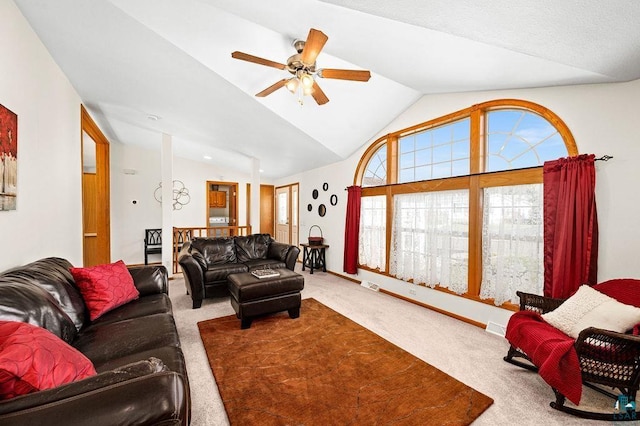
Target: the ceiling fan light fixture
pixel 292 84
pixel 306 80
pixel 307 90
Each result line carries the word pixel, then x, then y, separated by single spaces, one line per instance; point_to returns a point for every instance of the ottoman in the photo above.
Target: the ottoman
pixel 252 297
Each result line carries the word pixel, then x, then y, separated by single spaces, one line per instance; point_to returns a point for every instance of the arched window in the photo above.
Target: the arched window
pixel 376 171
pixel 466 197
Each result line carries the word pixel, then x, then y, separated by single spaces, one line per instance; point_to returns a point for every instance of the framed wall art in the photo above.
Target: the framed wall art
pixel 8 158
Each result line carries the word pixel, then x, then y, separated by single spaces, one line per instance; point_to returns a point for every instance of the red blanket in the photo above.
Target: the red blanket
pixel 550 350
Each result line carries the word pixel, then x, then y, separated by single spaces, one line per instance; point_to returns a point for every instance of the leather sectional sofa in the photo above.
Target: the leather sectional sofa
pixel 140 374
pixel 207 262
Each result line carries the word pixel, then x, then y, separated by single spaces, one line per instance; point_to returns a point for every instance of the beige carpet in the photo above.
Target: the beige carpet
pixel 324 369
pixel 463 351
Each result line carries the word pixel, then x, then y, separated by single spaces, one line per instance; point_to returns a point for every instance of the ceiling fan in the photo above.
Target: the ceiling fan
pixel 303 67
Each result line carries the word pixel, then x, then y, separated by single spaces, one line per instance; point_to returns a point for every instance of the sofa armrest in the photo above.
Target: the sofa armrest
pixel 292 257
pixel 608 357
pixel 284 253
pixel 150 279
pixel 193 273
pixel 536 303
pixel 140 393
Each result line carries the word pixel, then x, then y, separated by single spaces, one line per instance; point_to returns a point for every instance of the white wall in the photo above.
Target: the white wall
pixel 129 220
pixel 603 120
pixel 48 218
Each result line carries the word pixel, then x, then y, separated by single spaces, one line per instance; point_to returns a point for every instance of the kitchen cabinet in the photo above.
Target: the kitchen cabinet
pixel 218 199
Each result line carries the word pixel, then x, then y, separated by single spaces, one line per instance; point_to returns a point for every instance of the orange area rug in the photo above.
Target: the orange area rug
pixel 324 369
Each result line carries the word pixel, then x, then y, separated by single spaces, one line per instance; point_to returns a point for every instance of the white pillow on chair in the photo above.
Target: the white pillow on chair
pixel 590 308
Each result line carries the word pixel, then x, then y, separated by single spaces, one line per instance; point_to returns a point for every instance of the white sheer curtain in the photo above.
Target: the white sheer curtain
pixel 373 232
pixel 430 239
pixel 512 242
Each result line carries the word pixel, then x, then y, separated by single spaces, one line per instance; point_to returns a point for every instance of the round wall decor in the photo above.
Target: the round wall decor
pixel 325 186
pixel 309 207
pixel 322 210
pixel 314 194
pixel 333 200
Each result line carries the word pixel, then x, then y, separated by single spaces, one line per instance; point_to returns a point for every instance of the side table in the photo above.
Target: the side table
pixel 313 256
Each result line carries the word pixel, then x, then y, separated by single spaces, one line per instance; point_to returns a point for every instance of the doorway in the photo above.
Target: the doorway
pixel 96 226
pixel 287 214
pixel 267 223
pixel 222 204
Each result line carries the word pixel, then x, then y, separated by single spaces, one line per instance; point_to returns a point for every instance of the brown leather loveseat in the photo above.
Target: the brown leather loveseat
pixel 207 262
pixel 140 374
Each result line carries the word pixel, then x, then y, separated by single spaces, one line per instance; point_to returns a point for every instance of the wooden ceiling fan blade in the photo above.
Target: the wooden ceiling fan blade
pixel 319 95
pixel 312 46
pixel 269 90
pixel 257 60
pixel 354 75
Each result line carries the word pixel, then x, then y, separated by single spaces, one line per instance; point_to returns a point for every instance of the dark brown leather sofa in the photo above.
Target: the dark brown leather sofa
pixel 142 377
pixel 207 262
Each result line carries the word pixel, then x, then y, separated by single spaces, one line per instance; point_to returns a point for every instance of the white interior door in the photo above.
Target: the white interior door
pixel 282 215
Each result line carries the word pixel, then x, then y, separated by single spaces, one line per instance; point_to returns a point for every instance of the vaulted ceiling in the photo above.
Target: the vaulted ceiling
pixel 134 59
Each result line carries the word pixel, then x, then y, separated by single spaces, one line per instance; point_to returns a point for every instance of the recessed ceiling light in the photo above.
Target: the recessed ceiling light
pixel 207 157
pixel 261 171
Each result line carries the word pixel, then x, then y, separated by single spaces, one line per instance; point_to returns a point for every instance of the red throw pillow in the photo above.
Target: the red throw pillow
pixel 33 359
pixel 105 287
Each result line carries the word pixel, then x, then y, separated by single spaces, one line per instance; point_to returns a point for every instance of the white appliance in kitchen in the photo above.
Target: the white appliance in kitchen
pixel 217 222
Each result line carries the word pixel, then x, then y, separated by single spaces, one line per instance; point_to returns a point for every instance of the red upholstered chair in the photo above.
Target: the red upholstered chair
pixel 597 358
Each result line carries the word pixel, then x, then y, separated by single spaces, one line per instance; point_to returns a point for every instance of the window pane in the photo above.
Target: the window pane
pixel 461 130
pixel 423 173
pixel 373 232
pixel 460 168
pixel 512 242
pixel 437 147
pixel 460 150
pixel 518 138
pixel 376 172
pixel 423 140
pixel 423 157
pixel 441 153
pixel 429 242
pixel 406 175
pixel 283 209
pixel 407 144
pixel 441 170
pixel 407 160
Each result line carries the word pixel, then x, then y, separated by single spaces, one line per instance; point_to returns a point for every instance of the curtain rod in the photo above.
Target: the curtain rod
pixel 605 157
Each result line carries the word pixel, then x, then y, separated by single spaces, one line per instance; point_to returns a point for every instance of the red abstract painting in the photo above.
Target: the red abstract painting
pixel 8 158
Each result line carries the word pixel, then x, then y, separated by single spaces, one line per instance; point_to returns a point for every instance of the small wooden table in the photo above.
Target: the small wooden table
pixel 313 256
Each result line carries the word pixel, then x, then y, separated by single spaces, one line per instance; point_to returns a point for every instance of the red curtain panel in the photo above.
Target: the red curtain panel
pixel 352 230
pixel 570 225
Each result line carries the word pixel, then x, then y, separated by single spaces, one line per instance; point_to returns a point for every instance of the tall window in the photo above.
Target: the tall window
pixel 466 199
pixel 512 242
pixel 430 240
pixel 373 232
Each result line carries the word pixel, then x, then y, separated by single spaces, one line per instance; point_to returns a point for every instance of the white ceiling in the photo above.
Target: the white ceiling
pixel 129 59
